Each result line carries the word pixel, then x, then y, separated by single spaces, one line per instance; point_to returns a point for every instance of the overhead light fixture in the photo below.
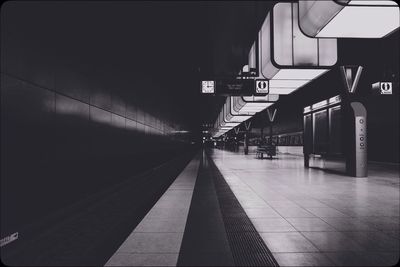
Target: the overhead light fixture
pixel 253 57
pixel 283 91
pixel 242 106
pixel 238 109
pixel 348 18
pixel 290 59
pixel 229 117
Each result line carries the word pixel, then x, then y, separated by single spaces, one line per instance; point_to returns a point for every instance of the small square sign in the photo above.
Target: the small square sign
pixel 262 86
pixel 386 88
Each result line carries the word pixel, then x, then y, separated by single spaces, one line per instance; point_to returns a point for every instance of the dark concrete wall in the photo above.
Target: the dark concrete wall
pixel 70 126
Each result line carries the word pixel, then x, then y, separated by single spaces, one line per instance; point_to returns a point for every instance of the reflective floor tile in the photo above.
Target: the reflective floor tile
pixel 310 224
pixel 293 212
pixel 287 242
pixel 351 258
pixel 261 213
pixel 272 225
pixel 326 212
pixel 302 259
pixel 348 224
pixel 332 241
pixel 374 241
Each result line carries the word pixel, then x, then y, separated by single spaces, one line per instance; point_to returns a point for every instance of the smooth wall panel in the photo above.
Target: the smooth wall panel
pixel 37 65
pixel 31 63
pixel 72 130
pixel 10 56
pixel 140 115
pixel 100 124
pixel 72 151
pixel 27 144
pixel 131 112
pixel 131 125
pixel 100 96
pixel 118 105
pixel 72 83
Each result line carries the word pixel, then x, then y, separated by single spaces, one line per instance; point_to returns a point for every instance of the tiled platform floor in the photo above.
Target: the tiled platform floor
pixel 314 218
pixel 306 217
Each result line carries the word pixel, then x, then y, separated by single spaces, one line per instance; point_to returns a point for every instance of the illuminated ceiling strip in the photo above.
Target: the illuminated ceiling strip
pixel 355 19
pixel 283 91
pixel 269 98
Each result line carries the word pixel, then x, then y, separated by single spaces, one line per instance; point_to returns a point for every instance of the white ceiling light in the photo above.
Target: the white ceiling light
pixel 243 106
pixel 231 117
pixel 289 58
pixel 282 91
pixel 348 19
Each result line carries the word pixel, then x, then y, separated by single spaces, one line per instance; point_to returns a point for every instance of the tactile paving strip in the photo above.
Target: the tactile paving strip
pixel 247 246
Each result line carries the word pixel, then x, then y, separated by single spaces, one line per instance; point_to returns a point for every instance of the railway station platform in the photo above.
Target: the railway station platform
pixel 228 209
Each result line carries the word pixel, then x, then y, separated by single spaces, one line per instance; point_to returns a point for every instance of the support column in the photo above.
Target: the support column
pixel 247 125
pixel 271 117
pixel 355 124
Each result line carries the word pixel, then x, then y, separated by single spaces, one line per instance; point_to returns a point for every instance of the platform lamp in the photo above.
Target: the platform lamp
pixel 290 59
pixel 348 18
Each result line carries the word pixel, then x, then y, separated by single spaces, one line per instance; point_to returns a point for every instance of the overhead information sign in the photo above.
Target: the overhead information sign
pixel 235 87
pixel 229 87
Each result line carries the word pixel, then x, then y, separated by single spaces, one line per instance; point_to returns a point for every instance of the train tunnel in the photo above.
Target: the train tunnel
pixel 200 133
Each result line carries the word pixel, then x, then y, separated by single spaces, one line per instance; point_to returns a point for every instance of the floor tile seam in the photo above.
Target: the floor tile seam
pixel 252 190
pixel 332 207
pixel 159 232
pixel 291 252
pixel 339 230
pixel 361 246
pixel 132 253
pixel 355 231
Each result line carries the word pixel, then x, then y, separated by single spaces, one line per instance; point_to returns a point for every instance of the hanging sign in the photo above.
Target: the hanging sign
pixel 262 87
pixel 383 88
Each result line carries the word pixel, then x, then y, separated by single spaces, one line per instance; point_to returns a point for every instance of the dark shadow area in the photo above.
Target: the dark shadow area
pixel 88 232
